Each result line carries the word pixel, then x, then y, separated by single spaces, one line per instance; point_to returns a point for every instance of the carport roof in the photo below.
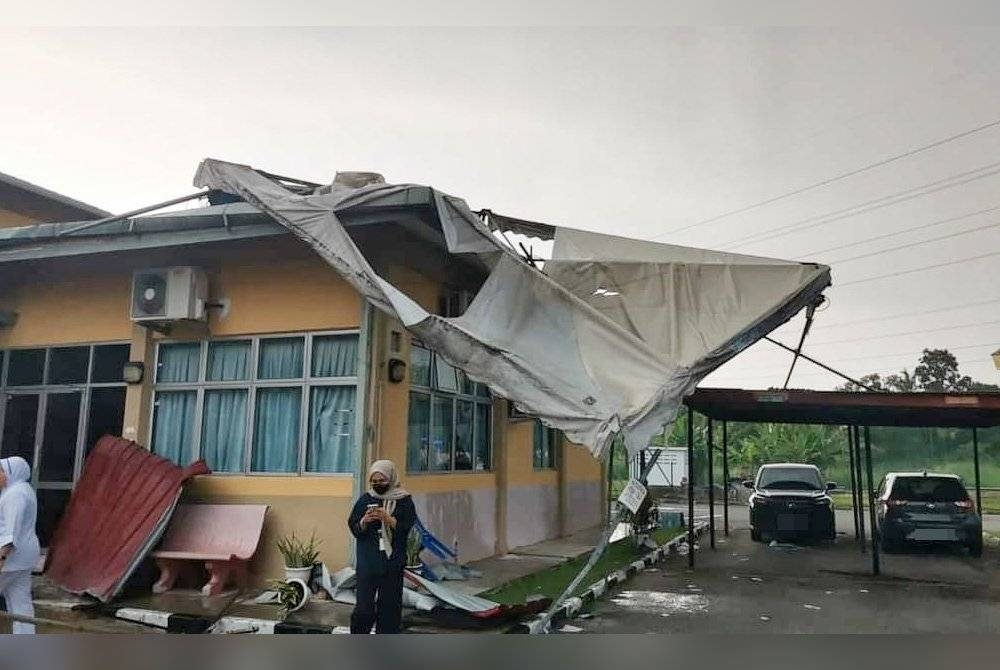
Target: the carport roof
pixel 952 410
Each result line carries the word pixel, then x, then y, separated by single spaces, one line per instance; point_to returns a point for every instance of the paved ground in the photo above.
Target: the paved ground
pixel 746 587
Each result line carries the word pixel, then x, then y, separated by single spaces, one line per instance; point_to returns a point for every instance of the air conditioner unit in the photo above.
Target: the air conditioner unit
pixel 169 294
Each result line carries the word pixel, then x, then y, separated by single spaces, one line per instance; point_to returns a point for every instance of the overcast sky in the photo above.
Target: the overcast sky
pixel 674 134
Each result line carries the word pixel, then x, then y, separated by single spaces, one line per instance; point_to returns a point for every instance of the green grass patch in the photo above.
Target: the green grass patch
pixel 551 581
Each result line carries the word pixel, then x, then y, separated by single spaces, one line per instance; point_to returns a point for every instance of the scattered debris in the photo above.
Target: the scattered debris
pixel 783 546
pixel 812 607
pixel 765 617
pixel 829 593
pixel 735 577
pixel 586 615
pixel 862 590
pixel 756 579
pixel 570 629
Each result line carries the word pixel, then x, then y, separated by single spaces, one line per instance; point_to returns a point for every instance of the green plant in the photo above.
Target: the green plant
pixel 414 545
pixel 298 553
pixel 290 594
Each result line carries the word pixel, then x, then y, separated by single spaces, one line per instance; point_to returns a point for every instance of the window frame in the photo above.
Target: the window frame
pixel 305 383
pixel 555 440
pixel 431 392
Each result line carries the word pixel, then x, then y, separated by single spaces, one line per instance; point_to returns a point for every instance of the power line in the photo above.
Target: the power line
pixel 917 244
pixel 921 312
pixel 932 224
pixel 952 181
pixel 831 180
pixel 896 355
pixel 880 371
pixel 909 332
pixel 921 269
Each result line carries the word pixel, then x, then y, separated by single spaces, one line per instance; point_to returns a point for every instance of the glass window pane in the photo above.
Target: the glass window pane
pixel 335 356
pixel 447 376
pixel 109 363
pixel 178 362
pixel 68 365
pixel 51 505
pixel 25 367
pixel 106 414
pixel 173 426
pixel 482 390
pixel 538 446
pixel 417 440
pixel 331 429
pixel 465 385
pixel 62 421
pixel 280 358
pixel 464 419
pixel 442 425
pixel 19 427
pixel 228 361
pixel 223 429
pixel 484 433
pixel 420 367
pixel 276 429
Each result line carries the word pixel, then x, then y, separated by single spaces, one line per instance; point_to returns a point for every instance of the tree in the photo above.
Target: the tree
pixel 936 372
pixel 787 443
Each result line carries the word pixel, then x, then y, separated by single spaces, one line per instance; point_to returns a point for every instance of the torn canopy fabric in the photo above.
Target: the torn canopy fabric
pixel 606 339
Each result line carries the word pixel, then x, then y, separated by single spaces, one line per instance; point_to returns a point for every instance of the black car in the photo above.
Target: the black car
pixel 917 507
pixel 790 501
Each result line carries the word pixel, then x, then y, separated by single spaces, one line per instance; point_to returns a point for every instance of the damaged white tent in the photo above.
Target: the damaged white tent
pixel 605 340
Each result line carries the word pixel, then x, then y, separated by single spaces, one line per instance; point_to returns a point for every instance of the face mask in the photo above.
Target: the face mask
pixel 380 489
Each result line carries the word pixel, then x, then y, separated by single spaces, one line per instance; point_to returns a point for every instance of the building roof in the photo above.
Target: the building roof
pixel 83 209
pixel 955 410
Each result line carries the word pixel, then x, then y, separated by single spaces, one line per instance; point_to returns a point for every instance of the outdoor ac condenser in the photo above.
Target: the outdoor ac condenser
pixel 169 294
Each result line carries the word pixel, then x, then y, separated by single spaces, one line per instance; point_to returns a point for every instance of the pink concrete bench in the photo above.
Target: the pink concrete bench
pixel 223 537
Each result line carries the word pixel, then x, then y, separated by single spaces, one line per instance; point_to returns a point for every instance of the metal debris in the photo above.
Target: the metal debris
pixel 812 607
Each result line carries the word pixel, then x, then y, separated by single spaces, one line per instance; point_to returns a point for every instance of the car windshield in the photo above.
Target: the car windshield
pixel 928 489
pixel 789 479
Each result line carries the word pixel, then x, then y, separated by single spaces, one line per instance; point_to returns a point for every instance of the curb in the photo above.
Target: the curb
pixel 186 623
pixel 571 607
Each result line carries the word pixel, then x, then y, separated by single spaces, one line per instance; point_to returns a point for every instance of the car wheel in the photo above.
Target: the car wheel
pixel 976 548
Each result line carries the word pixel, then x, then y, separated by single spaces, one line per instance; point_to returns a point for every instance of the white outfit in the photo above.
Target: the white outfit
pixel 18 511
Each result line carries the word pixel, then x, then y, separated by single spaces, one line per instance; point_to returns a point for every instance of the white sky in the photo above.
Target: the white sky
pixel 647 133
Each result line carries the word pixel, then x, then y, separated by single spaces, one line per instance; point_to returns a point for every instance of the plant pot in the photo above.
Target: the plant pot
pixel 305 592
pixel 301 574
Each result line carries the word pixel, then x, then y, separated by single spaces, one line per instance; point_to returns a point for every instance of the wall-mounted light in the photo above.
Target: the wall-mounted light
pixel 133 372
pixel 397 370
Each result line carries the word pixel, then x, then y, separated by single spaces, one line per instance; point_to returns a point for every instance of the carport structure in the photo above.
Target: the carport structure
pixel 857 411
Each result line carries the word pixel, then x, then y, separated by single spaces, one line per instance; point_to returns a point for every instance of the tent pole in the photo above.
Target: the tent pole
pixel 861 484
pixel 711 487
pixel 975 457
pixel 690 468
pixel 611 476
pixel 725 477
pixel 876 568
pixel 854 484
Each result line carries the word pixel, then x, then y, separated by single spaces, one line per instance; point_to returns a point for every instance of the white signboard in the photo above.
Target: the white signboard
pixel 670 468
pixel 633 495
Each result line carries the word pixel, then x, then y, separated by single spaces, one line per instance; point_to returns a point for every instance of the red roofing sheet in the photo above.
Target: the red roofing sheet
pixel 117 512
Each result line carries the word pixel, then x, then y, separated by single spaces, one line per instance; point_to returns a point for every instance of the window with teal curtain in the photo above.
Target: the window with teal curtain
pixel 335 356
pixel 227 360
pixel 223 429
pixel 173 425
pixel 418 430
pixel 484 437
pixel 280 358
pixel 178 362
pixel 331 429
pixel 442 424
pixel 464 421
pixel 276 430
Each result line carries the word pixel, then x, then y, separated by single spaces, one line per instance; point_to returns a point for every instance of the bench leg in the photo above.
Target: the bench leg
pixel 169 570
pixel 222 574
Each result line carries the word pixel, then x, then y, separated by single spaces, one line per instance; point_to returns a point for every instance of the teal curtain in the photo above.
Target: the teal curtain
pixel 173 425
pixel 484 420
pixel 276 430
pixel 280 358
pixel 464 421
pixel 228 360
pixel 335 356
pixel 331 429
pixel 178 362
pixel 418 429
pixel 223 433
pixel 442 423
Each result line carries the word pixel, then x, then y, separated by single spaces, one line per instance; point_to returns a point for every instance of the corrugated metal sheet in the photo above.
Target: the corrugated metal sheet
pixel 118 511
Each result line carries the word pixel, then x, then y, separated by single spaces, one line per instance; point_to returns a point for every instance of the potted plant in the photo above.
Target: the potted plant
pixel 300 556
pixel 414 545
pixel 293 594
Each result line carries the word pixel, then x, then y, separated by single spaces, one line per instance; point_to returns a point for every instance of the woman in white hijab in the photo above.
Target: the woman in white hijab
pixel 19 549
pixel 381 521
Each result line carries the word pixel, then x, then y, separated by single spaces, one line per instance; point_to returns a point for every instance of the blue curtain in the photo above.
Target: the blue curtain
pixel 280 358
pixel 484 416
pixel 223 433
pixel 442 424
pixel 178 362
pixel 335 356
pixel 227 360
pixel 276 430
pixel 418 430
pixel 464 418
pixel 331 429
pixel 173 425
